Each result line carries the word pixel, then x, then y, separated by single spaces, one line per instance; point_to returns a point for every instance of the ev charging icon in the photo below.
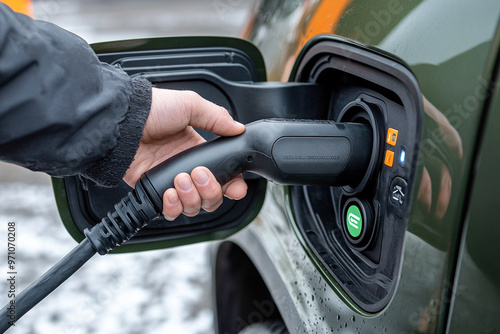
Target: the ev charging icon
pixel 354 221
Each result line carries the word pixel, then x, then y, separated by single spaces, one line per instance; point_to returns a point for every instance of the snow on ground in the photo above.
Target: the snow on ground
pixel 165 291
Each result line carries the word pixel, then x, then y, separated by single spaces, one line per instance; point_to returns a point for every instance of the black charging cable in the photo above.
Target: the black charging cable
pixel 130 216
pixel 289 152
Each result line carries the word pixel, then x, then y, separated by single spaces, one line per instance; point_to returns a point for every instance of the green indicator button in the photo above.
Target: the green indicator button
pixel 354 221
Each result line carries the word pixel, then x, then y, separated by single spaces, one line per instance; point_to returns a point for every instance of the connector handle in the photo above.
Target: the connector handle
pixel 291 152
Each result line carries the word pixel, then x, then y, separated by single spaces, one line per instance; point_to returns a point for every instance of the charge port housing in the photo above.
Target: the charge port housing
pixel 367 87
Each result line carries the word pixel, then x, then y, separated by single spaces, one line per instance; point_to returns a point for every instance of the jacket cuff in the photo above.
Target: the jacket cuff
pixel 110 170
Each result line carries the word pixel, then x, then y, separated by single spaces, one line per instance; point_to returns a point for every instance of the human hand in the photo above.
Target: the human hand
pixel 168 131
pixel 451 140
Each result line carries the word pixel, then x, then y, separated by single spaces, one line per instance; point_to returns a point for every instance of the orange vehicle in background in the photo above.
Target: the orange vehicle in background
pixel 20 6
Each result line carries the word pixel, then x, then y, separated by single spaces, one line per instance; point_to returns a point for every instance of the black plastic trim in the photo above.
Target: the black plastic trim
pixel 177 68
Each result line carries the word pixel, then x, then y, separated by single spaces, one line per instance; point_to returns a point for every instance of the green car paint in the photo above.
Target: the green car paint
pixel 452 47
pixel 476 296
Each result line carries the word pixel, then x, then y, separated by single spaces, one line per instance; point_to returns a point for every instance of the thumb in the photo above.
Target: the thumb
pixel 209 116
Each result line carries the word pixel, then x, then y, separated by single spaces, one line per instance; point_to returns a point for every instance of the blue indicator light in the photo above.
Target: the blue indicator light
pixel 402 156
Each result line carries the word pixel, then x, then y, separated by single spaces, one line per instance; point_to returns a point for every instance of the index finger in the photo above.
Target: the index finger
pixel 209 116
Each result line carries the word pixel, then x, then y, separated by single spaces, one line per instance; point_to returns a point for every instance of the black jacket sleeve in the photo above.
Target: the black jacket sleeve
pixel 61 110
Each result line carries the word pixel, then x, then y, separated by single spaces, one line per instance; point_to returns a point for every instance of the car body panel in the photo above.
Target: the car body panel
pixel 451 46
pixel 476 293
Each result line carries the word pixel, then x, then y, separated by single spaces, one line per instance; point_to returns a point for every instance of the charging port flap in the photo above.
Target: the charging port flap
pixel 227 71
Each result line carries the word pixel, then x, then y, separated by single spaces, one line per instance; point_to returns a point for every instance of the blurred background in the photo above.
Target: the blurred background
pixel 166 291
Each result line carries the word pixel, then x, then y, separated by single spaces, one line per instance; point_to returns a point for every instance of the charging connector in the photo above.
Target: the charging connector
pixel 291 152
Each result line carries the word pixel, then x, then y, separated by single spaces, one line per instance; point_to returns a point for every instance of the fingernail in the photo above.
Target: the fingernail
pixel 169 218
pixel 184 183
pixel 201 177
pixel 239 124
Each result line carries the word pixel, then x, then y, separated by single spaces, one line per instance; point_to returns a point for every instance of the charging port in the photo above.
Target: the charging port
pixel 357 215
pixel 365 113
